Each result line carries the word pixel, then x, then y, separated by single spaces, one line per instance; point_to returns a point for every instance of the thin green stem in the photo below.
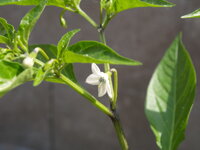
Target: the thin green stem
pixel 113 115
pixel 87 95
pixel 88 18
pixel 115 120
pixel 115 88
pixel 120 133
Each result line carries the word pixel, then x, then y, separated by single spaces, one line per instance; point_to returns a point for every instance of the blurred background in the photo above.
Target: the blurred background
pixel 54 117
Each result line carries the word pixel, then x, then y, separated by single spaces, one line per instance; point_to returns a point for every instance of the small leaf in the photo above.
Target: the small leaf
pixel 39 77
pixel 170 96
pixel 64 42
pixel 28 21
pixel 12 75
pixel 195 14
pixel 95 52
pixel 116 6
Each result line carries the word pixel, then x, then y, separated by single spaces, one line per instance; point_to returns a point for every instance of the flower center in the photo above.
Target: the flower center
pixel 102 80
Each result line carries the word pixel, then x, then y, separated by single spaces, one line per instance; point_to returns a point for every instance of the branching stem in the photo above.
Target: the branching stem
pixel 115 120
pixel 87 95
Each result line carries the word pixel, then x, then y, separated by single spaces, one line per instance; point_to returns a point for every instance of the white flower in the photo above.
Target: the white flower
pixel 29 59
pixel 101 79
pixel 28 62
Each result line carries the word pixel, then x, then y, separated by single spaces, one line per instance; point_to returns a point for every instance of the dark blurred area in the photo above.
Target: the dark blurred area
pixel 54 117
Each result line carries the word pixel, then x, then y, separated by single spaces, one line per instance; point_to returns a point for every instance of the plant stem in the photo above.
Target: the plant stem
pixel 113 115
pixel 119 131
pixel 87 95
pixel 84 15
pixel 115 120
pixel 115 88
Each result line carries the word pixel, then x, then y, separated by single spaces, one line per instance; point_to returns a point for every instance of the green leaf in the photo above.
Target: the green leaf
pixel 95 52
pixel 68 71
pixel 6 30
pixel 58 3
pixel 170 96
pixel 40 76
pixel 51 51
pixel 28 21
pixel 12 75
pixel 4 40
pixel 195 14
pixel 64 42
pixel 116 6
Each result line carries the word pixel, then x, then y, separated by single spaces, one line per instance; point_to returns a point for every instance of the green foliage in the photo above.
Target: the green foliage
pixel 12 75
pixel 6 32
pixel 68 71
pixel 40 76
pixel 28 21
pixel 195 14
pixel 95 52
pixel 45 73
pixel 66 4
pixel 4 40
pixel 58 3
pixel 64 42
pixel 49 49
pixel 116 6
pixel 170 96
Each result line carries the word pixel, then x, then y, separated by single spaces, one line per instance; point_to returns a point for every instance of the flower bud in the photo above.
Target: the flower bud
pixel 28 62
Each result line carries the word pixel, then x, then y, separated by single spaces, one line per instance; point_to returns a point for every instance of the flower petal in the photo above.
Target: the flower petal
pixel 95 69
pixel 101 89
pixel 108 89
pixel 93 79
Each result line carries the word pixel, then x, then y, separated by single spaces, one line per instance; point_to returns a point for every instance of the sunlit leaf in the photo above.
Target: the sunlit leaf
pixel 116 6
pixel 95 52
pixel 170 96
pixel 64 42
pixel 6 32
pixel 58 3
pixel 195 14
pixel 28 22
pixel 4 40
pixel 12 75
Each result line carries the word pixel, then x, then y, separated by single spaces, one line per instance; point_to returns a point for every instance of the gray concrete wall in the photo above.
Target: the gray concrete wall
pixel 73 123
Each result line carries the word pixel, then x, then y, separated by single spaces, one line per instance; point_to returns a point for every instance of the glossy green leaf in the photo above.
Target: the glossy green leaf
pixel 64 42
pixel 12 75
pixel 28 21
pixel 195 14
pixel 95 52
pixel 58 3
pixel 51 51
pixel 116 6
pixel 170 96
